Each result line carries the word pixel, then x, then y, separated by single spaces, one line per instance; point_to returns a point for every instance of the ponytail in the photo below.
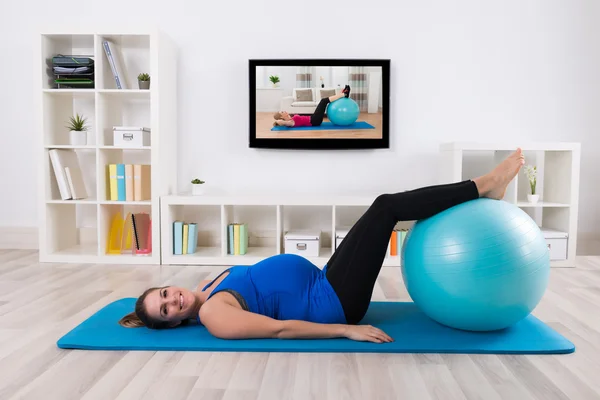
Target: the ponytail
pixel 131 320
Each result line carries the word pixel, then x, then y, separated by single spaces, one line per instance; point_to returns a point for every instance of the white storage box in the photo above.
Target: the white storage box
pixel 132 136
pixel 557 243
pixel 304 243
pixel 340 234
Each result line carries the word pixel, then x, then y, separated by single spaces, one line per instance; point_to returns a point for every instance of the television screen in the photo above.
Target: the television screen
pixel 319 103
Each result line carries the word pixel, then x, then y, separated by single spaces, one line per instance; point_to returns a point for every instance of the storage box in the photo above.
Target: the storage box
pixel 304 243
pixel 557 243
pixel 132 136
pixel 340 234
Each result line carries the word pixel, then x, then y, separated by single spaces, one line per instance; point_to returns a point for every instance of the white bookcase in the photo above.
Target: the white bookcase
pixel 77 230
pixel 558 165
pixel 267 217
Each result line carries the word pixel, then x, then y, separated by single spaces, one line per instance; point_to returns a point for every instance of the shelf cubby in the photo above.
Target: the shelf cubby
pixel 109 156
pixel 87 164
pixel 308 218
pixel 107 214
pixel 134 52
pixel 119 109
pixel 261 222
pixel 81 45
pixel 70 232
pixel 59 106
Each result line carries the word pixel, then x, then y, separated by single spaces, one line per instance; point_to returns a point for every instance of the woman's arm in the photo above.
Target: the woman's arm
pixel 285 123
pixel 228 322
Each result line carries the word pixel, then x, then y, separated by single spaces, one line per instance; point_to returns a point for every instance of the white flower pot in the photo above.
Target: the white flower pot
pixel 533 198
pixel 78 138
pixel 197 189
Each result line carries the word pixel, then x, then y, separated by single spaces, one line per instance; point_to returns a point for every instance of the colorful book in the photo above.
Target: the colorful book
pixel 129 182
pixel 394 243
pixel 177 237
pixel 192 238
pixel 141 182
pixel 121 182
pixel 230 235
pixel 184 244
pixel 236 239
pixel 243 239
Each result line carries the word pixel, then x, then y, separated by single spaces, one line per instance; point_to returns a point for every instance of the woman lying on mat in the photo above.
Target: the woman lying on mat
pixel 285 296
pixel 283 118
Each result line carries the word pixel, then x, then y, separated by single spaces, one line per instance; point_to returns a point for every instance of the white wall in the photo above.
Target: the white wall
pixel 461 70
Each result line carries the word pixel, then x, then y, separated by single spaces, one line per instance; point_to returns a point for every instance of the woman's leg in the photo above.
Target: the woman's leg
pixel 353 269
pixel 317 118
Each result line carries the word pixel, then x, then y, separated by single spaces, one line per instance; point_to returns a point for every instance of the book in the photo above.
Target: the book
pixel 243 238
pixel 230 242
pixel 177 237
pixel 184 244
pixel 113 194
pixel 129 182
pixel 60 160
pixel 192 238
pixel 114 60
pixel 141 182
pixel 121 182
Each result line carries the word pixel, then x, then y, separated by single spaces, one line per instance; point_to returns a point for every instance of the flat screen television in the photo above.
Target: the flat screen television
pixel 305 103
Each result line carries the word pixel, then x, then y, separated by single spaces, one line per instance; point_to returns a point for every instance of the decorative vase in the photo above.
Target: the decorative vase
pixel 144 84
pixel 197 189
pixel 322 85
pixel 78 138
pixel 533 198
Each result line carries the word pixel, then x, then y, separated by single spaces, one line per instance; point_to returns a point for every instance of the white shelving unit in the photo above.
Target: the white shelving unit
pixel 271 217
pixel 77 230
pixel 557 182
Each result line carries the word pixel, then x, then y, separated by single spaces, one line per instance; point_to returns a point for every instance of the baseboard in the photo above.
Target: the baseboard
pixel 26 238
pixel 588 244
pixel 23 238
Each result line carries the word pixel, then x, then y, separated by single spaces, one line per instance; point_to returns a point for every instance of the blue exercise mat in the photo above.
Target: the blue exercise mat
pixel 412 331
pixel 325 126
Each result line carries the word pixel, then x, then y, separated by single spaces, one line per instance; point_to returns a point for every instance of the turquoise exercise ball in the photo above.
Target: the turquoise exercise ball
pixel 482 265
pixel 343 111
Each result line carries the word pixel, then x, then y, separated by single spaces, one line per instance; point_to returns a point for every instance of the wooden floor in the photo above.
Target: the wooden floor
pixel 40 303
pixel 264 123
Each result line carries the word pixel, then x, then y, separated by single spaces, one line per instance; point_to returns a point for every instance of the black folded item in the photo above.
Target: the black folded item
pixel 61 60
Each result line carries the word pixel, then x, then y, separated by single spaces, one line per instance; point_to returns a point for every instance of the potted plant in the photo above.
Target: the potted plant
pixel 144 81
pixel 77 130
pixel 197 187
pixel 531 173
pixel 274 80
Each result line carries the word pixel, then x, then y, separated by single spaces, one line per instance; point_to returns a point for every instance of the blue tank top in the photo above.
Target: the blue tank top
pixel 283 287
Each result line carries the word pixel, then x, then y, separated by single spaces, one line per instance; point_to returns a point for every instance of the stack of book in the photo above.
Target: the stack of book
pixel 185 237
pixel 128 182
pixel 73 71
pixel 237 238
pixel 68 174
pixel 396 242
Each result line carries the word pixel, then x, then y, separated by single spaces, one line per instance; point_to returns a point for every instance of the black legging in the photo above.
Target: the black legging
pixel 353 269
pixel 317 118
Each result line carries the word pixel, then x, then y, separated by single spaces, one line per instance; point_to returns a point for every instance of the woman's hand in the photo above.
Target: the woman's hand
pixel 366 333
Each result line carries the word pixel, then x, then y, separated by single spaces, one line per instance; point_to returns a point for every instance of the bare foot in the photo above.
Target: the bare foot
pixel 493 185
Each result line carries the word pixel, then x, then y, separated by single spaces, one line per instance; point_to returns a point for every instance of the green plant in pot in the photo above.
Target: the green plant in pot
pixel 144 81
pixel 531 173
pixel 78 130
pixel 197 187
pixel 274 80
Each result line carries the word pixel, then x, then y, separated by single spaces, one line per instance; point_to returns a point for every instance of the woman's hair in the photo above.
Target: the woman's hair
pixel 140 317
pixel 277 115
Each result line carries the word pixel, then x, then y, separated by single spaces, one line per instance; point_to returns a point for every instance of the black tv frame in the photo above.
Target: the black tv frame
pixel 318 144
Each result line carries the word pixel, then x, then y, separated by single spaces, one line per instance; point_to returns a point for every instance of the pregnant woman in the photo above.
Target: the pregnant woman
pixel 285 296
pixel 283 118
